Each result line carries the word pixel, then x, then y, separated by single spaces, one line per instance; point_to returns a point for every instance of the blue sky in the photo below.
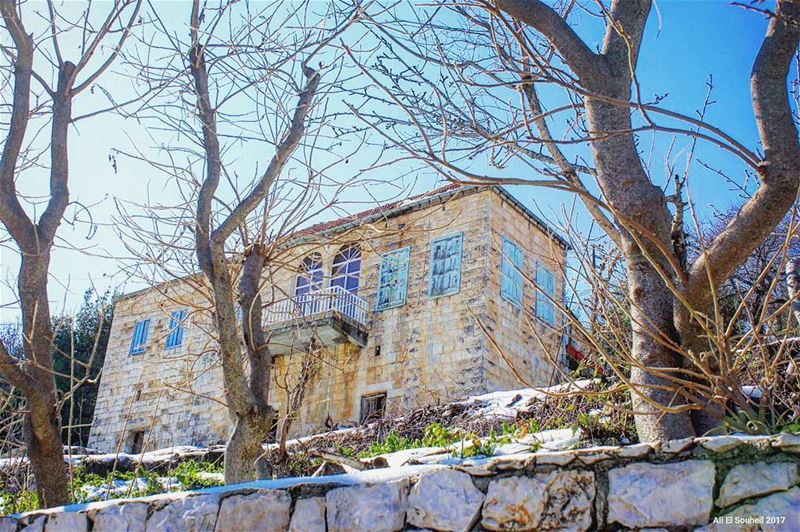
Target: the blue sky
pixel 692 40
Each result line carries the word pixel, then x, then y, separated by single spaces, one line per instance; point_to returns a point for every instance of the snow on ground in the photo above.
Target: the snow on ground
pixel 506 404
pixel 502 405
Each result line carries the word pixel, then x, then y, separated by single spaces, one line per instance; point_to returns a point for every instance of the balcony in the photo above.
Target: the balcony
pixel 331 316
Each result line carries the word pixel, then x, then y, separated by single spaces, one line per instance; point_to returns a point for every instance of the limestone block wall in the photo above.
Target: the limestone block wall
pixel 173 396
pixel 526 342
pixel 709 484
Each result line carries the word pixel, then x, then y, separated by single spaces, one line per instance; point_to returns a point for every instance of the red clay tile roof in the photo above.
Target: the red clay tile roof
pixel 386 207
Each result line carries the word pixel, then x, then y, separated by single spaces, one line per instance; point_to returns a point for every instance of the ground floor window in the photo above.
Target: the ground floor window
pixel 136 442
pixel 372 407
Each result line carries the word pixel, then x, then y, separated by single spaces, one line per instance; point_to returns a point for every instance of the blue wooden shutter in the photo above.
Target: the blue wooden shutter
pixel 176 329
pixel 139 340
pixel 445 267
pixel 455 273
pixel 545 283
pixel 511 272
pixel 550 287
pixel 393 279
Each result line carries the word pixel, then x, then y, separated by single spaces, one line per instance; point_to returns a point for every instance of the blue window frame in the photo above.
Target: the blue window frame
pixel 511 267
pixel 445 268
pixel 176 328
pixel 310 278
pixel 545 284
pixel 393 279
pixel 347 268
pixel 139 341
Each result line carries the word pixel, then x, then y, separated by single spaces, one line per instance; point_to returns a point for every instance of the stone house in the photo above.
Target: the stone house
pixel 430 299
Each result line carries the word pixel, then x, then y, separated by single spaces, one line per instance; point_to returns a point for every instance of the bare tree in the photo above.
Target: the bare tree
pixel 754 280
pixel 756 362
pixel 244 84
pixel 466 80
pixel 33 100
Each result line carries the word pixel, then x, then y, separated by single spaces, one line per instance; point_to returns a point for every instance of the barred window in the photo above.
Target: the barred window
pixel 372 407
pixel 393 279
pixel 445 276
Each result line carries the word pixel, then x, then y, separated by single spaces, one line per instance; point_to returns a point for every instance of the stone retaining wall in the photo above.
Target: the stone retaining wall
pixel 711 484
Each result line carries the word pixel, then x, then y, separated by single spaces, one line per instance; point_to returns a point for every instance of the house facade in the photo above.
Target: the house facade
pixel 440 296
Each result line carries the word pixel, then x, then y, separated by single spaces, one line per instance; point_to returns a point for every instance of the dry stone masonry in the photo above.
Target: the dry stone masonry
pixel 707 484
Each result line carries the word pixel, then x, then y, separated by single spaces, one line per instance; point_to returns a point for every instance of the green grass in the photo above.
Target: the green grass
pixel 188 474
pixel 12 503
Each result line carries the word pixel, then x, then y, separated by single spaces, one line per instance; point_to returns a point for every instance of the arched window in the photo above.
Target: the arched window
pixel 347 268
pixel 310 277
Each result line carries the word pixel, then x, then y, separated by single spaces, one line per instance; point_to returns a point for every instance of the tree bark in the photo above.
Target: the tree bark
pixel 251 430
pixel 630 192
pixel 33 375
pixel 244 451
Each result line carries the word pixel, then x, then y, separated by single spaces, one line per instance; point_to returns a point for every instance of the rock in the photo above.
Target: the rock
pixel 560 500
pixel 513 503
pixel 592 458
pixel 787 442
pixel 677 446
pixel 638 450
pixel 651 495
pixel 721 444
pixel 367 507
pixel 749 480
pixel 475 471
pixel 777 512
pixel 66 522
pixel 513 463
pixel 309 515
pixel 8 524
pixel 127 517
pixel 267 510
pixel 558 458
pixel 444 500
pixel 35 525
pixel 187 514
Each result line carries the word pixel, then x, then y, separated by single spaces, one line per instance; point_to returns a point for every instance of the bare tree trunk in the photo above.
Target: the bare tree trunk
pixel 605 79
pixel 244 451
pixel 651 314
pixel 34 239
pixel 42 434
pixel 631 194
pixel 251 430
pixel 247 396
